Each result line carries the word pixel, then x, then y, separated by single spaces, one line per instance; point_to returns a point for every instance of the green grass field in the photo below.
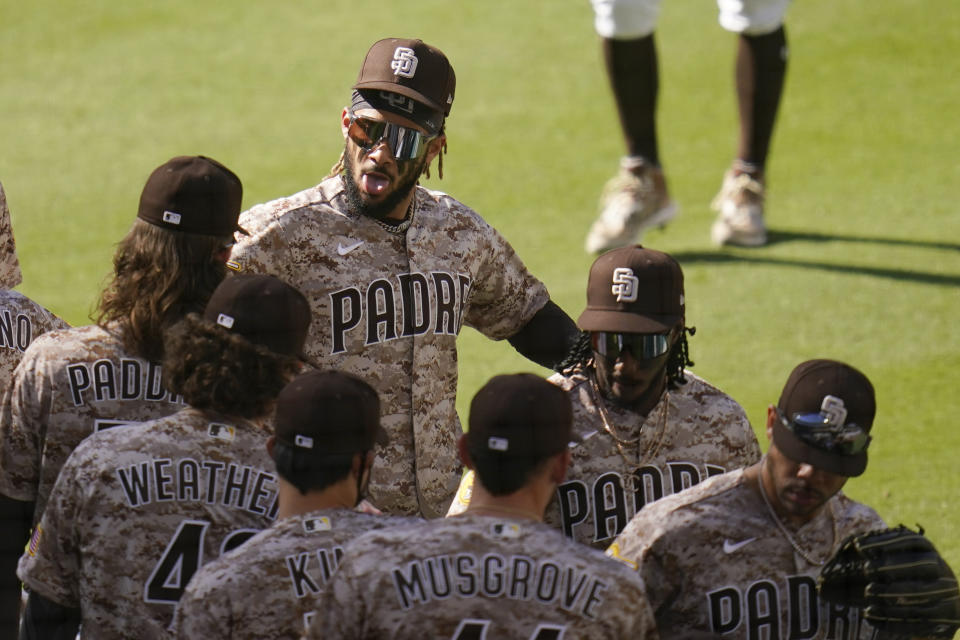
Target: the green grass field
pixel 864 259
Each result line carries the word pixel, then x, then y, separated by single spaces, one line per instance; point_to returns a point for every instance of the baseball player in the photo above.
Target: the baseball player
pixel 325 428
pixel 87 379
pixel 72 383
pixel 393 271
pixel 21 320
pixel 738 555
pixel 646 427
pixel 637 198
pixel 495 571
pixel 136 511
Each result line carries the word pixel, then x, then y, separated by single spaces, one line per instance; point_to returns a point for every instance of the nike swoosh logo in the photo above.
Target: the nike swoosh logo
pixel 730 547
pixel 342 250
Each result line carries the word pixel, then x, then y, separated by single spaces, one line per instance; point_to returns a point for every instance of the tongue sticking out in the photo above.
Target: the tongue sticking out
pixel 374 183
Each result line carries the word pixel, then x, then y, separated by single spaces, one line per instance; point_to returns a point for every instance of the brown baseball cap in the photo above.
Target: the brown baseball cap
pixel 520 414
pixel 843 396
pixel 193 194
pixel 263 309
pixel 409 68
pixel 323 413
pixel 634 290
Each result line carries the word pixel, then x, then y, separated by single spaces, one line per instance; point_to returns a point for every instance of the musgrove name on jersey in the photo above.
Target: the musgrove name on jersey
pixel 128 379
pixel 608 502
pixel 494 576
pixel 758 610
pixel 300 577
pixel 15 334
pixel 209 481
pixel 427 301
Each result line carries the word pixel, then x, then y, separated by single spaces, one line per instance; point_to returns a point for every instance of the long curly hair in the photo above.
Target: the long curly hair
pixel 218 370
pixel 581 356
pixel 158 277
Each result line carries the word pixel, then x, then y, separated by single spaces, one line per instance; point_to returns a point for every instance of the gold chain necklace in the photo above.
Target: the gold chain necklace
pixel 783 529
pixel 629 480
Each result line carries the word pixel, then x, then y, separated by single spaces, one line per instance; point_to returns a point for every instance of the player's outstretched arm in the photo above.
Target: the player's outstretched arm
pixel 548 337
pixel 44 619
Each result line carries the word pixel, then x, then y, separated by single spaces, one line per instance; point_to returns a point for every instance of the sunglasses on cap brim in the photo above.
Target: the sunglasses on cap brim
pixel 642 346
pixel 820 430
pixel 405 143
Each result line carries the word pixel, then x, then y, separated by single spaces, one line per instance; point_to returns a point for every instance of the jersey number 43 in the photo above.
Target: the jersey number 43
pixel 181 559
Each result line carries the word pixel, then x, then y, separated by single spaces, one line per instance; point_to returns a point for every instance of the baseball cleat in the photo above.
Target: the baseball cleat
pixel 633 201
pixel 740 203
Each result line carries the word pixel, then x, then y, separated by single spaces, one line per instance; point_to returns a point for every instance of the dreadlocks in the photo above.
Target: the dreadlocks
pixel 679 359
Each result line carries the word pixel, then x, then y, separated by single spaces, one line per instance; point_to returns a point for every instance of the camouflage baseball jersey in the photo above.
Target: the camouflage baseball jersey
pixel 136 511
pixel 70 384
pixel 387 306
pixel 10 275
pixel 474 576
pixel 21 320
pixel 289 563
pixel 715 564
pixel 694 432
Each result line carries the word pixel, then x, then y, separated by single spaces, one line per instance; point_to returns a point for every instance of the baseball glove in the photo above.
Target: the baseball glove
pixel 899 580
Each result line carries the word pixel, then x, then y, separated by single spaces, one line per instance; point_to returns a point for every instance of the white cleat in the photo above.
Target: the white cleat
pixel 633 201
pixel 740 203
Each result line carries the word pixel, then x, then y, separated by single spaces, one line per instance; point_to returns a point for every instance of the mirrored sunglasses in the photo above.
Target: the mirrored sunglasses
pixel 405 143
pixel 642 346
pixel 821 430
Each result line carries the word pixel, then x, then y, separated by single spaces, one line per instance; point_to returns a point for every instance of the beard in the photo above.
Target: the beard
pixel 409 174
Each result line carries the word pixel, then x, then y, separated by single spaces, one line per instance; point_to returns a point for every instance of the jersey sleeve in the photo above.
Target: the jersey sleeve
pixel 23 422
pixel 264 248
pixel 505 295
pixel 635 546
pixel 51 564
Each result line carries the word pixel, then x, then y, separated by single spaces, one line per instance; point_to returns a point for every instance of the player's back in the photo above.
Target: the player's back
pixel 290 563
pixel 473 576
pixel 21 321
pixel 70 384
pixel 138 510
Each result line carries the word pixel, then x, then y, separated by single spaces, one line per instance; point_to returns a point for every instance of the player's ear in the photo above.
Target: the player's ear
pixel 358 463
pixel 435 146
pixel 463 452
pixel 771 416
pixel 560 466
pixel 271 441
pixel 344 121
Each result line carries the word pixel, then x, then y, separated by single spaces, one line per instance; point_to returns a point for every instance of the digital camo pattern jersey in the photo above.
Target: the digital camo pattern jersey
pixel 388 307
pixel 70 384
pixel 21 320
pixel 137 511
pixel 694 432
pixel 477 577
pixel 10 275
pixel 270 586
pixel 716 565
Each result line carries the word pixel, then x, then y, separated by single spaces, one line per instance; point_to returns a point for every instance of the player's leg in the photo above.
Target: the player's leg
pixel 761 65
pixel 636 198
